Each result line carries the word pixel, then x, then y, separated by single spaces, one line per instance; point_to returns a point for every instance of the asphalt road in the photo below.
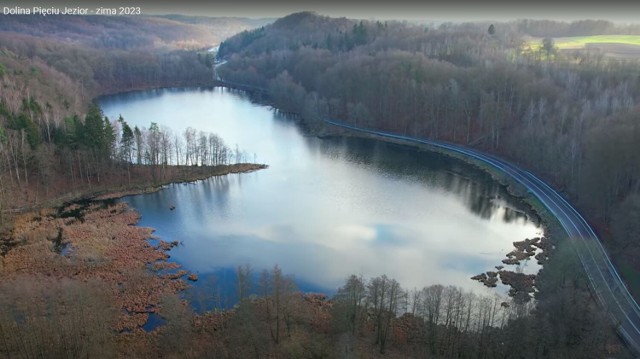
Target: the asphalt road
pixel 606 284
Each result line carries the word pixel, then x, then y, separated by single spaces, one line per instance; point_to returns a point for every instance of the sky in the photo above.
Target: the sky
pixel 425 10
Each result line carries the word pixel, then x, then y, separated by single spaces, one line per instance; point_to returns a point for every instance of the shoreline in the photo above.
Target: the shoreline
pixel 322 130
pixel 139 185
pixel 547 221
pixel 221 170
pixel 92 238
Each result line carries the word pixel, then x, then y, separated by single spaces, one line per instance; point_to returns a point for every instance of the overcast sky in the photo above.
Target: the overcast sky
pixel 426 10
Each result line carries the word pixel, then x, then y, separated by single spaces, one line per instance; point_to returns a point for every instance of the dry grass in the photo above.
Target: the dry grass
pixel 97 242
pixel 104 244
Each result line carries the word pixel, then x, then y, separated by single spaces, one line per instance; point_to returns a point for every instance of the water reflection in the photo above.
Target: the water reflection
pixel 325 208
pixel 483 196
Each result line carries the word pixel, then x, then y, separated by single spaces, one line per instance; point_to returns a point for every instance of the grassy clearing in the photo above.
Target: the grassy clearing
pixel 611 46
pixel 579 42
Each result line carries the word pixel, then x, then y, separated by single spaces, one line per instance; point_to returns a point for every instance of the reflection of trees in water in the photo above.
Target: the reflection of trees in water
pixel 213 291
pixel 511 215
pixel 481 194
pixel 216 190
pixel 212 193
pixel 136 96
pixel 486 198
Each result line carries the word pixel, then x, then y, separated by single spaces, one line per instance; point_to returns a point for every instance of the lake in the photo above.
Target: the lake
pixel 325 208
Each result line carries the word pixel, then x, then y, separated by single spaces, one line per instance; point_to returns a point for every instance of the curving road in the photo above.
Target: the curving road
pixel 606 284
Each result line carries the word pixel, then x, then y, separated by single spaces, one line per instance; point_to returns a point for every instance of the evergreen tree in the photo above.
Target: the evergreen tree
pixel 93 134
pixel 138 136
pixel 126 141
pixel 71 137
pixel 23 122
pixel 109 139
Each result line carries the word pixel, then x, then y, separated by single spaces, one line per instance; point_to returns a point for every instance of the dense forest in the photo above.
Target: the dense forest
pixel 572 118
pixel 107 54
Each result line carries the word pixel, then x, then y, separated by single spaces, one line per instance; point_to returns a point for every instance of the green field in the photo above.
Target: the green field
pixel 620 46
pixel 579 42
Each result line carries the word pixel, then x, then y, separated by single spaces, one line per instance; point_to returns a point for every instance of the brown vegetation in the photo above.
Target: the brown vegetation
pixel 44 316
pixel 117 53
pixel 522 286
pixel 106 289
pixel 102 243
pixel 94 242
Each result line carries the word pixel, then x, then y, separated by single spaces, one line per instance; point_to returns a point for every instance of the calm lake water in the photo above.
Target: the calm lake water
pixel 325 208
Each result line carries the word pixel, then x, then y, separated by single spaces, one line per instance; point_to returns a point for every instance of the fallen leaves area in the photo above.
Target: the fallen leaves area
pixel 99 242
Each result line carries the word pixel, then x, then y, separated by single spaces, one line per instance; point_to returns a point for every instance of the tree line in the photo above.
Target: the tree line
pixel 367 317
pixel 114 54
pixel 82 151
pixel 372 317
pixel 130 33
pixel 101 71
pixel 570 118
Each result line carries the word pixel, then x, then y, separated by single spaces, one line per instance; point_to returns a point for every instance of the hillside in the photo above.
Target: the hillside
pixel 108 54
pixel 123 32
pixel 573 121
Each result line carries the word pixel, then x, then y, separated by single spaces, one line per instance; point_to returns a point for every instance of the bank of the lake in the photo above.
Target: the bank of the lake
pixel 171 174
pixel 317 127
pixel 122 180
pixel 320 200
pixel 94 239
pixel 552 228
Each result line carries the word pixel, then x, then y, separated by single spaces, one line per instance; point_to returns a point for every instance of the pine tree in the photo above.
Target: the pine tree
pixel 93 134
pixel 126 141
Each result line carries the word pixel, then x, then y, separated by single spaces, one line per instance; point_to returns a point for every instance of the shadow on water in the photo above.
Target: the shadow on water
pixel 217 290
pixel 480 193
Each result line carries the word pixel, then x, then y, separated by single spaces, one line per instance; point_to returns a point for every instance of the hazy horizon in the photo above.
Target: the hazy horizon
pixel 454 11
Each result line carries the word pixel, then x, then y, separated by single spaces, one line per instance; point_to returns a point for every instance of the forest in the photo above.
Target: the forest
pixel 53 142
pixel 572 118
